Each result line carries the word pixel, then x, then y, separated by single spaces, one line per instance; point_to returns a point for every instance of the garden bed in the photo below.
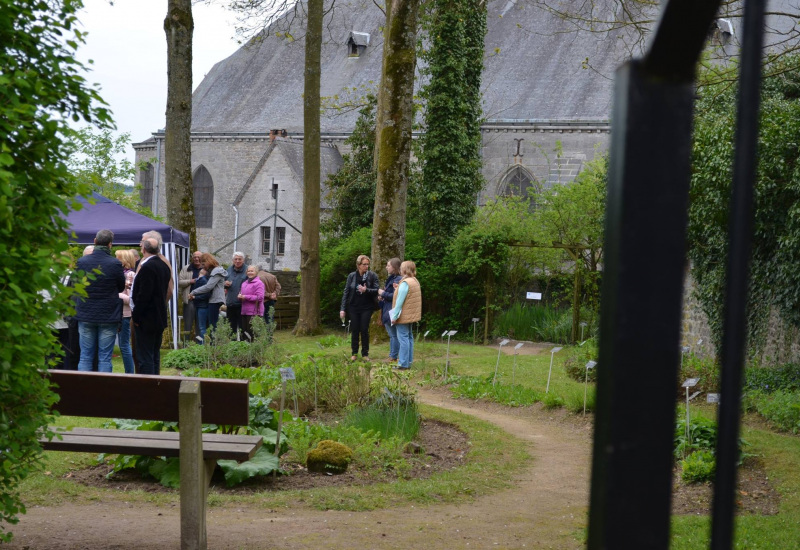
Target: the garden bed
pixel 443 447
pixel 755 494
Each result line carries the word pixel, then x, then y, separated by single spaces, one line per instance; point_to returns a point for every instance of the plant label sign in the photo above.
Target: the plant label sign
pixel 533 295
pixel 556 350
pixel 451 332
pixel 591 364
pixel 287 373
pixel 503 343
pixel 518 345
pixel 475 319
pixel 712 398
pixel 426 333
pixel 690 383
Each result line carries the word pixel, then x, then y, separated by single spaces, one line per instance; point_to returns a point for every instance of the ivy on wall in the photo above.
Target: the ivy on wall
pixel 774 273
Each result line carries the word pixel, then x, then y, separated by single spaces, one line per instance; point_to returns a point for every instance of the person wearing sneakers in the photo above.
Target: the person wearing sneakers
pixel 358 300
pixel 406 309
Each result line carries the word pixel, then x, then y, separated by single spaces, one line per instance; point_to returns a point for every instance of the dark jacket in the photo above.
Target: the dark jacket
pixel 386 299
pixel 353 280
pixel 102 303
pixel 150 295
pixel 236 277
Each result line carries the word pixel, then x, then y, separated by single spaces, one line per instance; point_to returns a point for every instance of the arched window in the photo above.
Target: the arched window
pixel 203 187
pixel 146 181
pixel 518 182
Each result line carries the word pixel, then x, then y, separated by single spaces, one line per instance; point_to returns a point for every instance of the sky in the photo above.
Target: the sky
pixel 129 49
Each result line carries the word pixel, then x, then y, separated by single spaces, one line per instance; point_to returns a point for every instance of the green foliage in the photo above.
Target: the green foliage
pixel 263 463
pixel 699 467
pixel 263 380
pixel 781 408
pixel 703 368
pixel 775 280
pixel 329 456
pixel 41 89
pixel 333 383
pixel 575 363
pixel 702 435
pixel 767 380
pixel 351 190
pixel 337 258
pixel 94 161
pixel 470 387
pixel 451 173
pixel 400 421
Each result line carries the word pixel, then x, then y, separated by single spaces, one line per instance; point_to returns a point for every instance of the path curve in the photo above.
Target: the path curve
pixel 545 507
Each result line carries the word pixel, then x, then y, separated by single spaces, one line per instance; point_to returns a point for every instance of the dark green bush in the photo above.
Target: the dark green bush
pixel 768 380
pixel 702 436
pixel 699 467
pixel 780 408
pixel 575 363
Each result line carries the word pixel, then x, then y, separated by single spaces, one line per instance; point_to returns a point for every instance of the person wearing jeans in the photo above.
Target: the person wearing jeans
pixel 360 293
pixel 99 313
pixel 407 309
pixel 386 294
pixel 125 350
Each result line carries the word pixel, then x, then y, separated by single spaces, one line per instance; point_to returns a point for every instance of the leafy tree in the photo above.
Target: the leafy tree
pixel 179 27
pixel 352 188
pixel 394 122
pixel 41 88
pixel 775 280
pixel 94 162
pixel 451 173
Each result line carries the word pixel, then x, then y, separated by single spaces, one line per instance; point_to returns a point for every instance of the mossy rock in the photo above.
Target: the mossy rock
pixel 329 456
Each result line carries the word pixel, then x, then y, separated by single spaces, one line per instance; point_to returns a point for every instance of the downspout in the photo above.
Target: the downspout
pixel 158 176
pixel 235 229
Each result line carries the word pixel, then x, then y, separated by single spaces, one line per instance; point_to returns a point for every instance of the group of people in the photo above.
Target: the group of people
pixel 245 290
pixel 128 292
pixel 400 302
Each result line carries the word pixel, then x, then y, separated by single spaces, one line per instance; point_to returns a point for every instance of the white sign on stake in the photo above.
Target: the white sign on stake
pixel 426 333
pixel 519 345
pixel 690 383
pixel 591 365
pixel 533 295
pixel 503 342
pixel 444 334
pixel 712 398
pixel 475 319
pixel 287 373
pixel 452 332
pixel 556 350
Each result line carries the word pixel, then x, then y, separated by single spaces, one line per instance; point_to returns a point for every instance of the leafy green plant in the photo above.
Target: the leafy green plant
pixel 185 358
pixel 263 380
pixel 575 363
pixel 470 387
pixel 705 369
pixel 780 408
pixel 699 467
pixel 331 341
pixel 44 90
pixel 767 380
pixel 702 436
pixel 552 401
pixel 401 421
pixel 332 382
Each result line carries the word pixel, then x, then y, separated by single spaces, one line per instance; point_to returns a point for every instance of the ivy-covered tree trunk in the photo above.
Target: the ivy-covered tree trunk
pixel 308 321
pixel 395 115
pixel 179 26
pixel 451 174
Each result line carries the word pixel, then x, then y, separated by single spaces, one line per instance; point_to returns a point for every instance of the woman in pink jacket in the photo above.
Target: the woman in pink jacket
pixel 252 297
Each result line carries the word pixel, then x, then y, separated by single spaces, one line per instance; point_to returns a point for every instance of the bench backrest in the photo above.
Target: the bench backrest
pixel 145 397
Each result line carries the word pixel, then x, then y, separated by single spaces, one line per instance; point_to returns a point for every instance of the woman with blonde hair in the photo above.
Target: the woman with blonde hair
pixel 128 262
pixel 358 300
pixel 215 287
pixel 406 309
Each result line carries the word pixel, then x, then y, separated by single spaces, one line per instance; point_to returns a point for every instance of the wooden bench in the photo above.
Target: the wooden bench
pixel 168 399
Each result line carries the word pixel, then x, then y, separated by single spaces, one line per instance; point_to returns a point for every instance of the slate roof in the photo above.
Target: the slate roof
pixel 534 69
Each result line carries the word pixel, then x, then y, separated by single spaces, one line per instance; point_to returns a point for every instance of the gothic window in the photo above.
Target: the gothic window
pixel 146 181
pixel 518 182
pixel 203 187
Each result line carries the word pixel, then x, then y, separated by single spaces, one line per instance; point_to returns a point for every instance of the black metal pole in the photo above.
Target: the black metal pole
pixel 734 336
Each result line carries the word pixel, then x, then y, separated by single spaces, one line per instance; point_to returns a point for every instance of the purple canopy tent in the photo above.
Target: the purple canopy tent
pixel 128 227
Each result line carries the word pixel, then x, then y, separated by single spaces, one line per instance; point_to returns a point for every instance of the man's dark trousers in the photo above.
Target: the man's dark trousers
pixel 148 350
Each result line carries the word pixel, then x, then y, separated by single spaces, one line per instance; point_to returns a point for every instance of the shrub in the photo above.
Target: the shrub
pixel 702 436
pixel 263 380
pixel 699 467
pixel 767 380
pixel 703 368
pixel 332 382
pixel 329 456
pixel 780 408
pixel 401 421
pixel 575 363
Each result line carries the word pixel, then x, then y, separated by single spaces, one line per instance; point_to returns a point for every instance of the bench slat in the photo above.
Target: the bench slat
pixel 145 397
pixel 136 442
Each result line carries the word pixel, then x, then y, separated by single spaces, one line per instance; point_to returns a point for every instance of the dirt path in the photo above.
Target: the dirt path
pixel 544 509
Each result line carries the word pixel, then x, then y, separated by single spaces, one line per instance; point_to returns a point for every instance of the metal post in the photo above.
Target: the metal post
pixel 552 353
pixel 497 365
pixel 274 240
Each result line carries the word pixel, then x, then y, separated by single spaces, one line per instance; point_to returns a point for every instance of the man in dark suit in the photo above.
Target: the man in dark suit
pixel 149 307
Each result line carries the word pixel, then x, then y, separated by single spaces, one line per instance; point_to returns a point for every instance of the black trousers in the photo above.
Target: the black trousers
pixel 234 314
pixel 148 350
pixel 360 328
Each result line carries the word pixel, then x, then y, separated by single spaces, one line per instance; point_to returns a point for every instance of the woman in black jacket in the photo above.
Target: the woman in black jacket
pixel 359 299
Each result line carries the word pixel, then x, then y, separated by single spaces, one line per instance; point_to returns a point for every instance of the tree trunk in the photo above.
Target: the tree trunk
pixel 395 114
pixel 309 319
pixel 179 27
